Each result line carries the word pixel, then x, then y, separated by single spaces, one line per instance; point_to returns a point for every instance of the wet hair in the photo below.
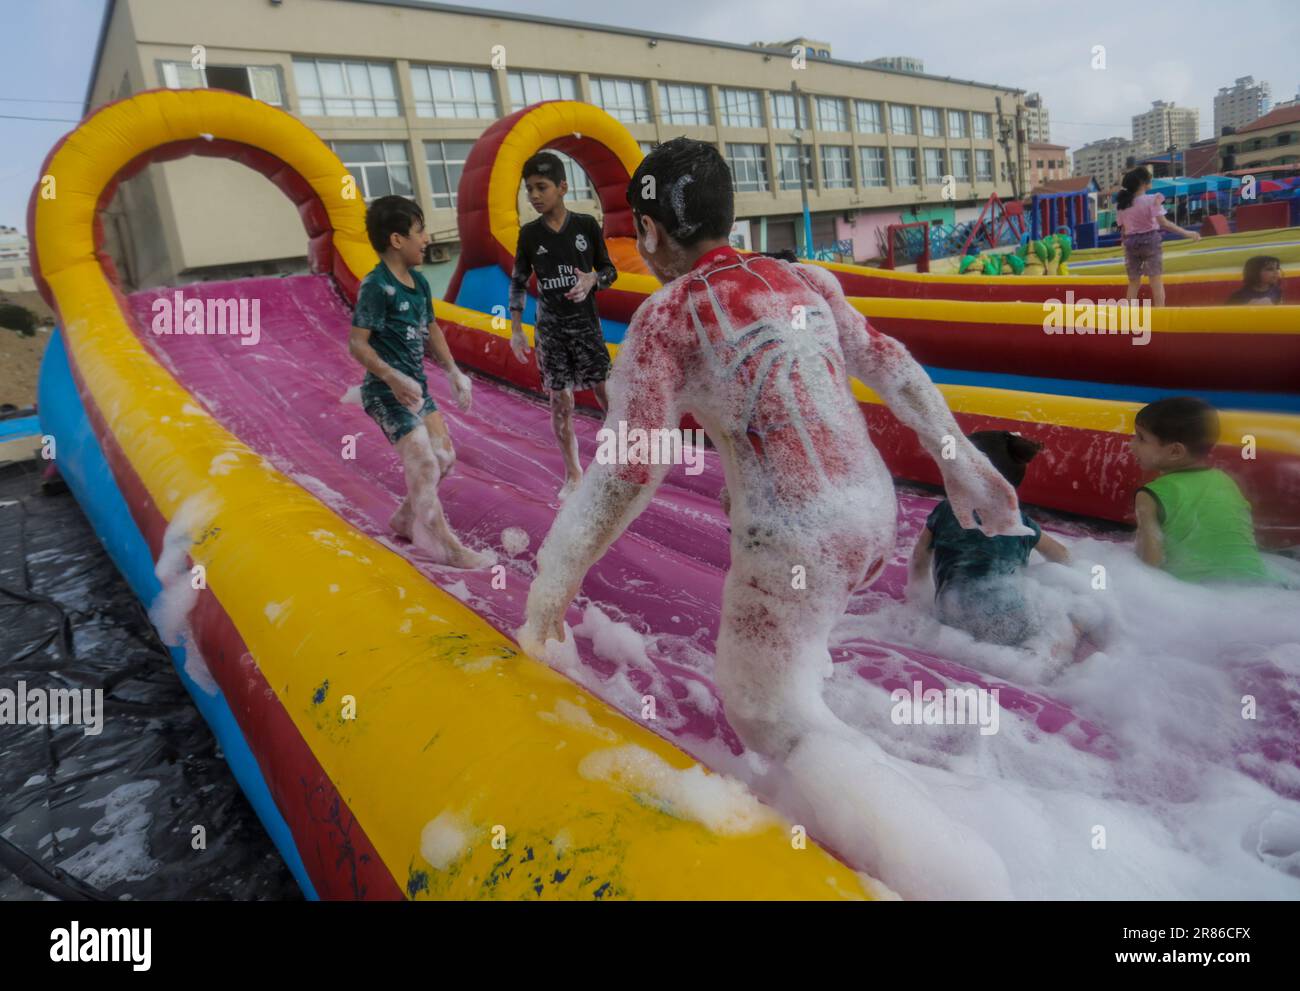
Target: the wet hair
pixel 390 215
pixel 785 254
pixel 546 165
pixel 1185 420
pixel 1008 452
pixel 1132 182
pixel 1254 268
pixel 691 193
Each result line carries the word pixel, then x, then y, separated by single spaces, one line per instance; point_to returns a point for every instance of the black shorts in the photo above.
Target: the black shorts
pixel 571 354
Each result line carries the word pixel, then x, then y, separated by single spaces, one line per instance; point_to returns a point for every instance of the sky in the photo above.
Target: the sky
pixel 1180 52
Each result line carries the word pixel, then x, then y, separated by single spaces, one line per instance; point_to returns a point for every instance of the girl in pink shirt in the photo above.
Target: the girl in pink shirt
pixel 1141 217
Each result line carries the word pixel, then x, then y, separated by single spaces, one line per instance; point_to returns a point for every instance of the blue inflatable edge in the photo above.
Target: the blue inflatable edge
pixel 480 286
pixel 1263 401
pixel 83 466
pixel 20 426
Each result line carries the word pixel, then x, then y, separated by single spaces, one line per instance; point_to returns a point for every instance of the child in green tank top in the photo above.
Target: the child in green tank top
pixel 1193 521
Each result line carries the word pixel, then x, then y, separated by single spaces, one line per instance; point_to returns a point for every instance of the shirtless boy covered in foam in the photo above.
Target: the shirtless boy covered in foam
pixel 762 353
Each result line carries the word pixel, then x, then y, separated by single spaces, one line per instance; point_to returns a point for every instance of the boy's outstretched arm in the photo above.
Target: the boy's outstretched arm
pixel 1150 539
pixel 436 348
pixel 644 391
pixel 972 484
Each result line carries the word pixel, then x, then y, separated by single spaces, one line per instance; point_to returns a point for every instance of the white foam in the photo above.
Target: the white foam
pixel 723 805
pixel 445 839
pixel 515 540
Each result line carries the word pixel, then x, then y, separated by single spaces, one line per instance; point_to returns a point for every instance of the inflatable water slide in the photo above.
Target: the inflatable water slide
pixel 392 736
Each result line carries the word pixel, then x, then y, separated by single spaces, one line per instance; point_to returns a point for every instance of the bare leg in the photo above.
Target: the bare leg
pixel 403 519
pixel 772 656
pixel 562 424
pixel 598 390
pixel 1134 287
pixel 429 528
pixel 1157 290
pixel 440 437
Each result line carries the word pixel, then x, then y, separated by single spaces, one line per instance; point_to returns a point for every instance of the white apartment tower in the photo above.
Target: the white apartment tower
pixel 1244 102
pixel 1164 125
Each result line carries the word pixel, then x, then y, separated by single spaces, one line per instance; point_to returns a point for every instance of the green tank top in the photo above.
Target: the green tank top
pixel 1208 533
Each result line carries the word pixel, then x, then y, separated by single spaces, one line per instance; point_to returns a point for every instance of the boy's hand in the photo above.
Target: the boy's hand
pixel 586 283
pixel 461 386
pixel 405 388
pixel 974 487
pixel 518 343
pixel 1194 235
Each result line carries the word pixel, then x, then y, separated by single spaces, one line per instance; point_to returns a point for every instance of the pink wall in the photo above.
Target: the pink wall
pixel 862 231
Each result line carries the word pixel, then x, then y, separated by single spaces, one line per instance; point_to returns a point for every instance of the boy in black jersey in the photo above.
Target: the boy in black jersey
pixel 567 252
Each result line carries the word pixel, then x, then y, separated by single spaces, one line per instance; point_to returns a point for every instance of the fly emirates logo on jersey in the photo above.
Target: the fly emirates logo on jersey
pixel 566 278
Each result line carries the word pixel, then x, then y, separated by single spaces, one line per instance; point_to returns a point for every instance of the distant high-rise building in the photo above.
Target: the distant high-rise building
pixel 1237 106
pixel 900 63
pixel 1164 125
pixel 1105 160
pixel 1037 126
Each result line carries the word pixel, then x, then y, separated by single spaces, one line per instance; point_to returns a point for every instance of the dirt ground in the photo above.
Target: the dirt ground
pixel 20 361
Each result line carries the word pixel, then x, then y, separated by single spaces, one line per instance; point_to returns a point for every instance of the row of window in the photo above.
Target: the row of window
pixel 383 168
pixel 345 88
pixel 1051 163
pixel 749 168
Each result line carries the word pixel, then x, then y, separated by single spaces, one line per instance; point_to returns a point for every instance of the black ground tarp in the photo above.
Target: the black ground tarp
pixel 110 815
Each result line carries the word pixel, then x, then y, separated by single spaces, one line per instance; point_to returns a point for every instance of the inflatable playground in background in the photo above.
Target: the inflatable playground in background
pixel 191 452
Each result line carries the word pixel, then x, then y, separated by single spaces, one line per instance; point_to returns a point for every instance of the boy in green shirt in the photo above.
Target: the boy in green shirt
pixel 1193 521
pixel 392 330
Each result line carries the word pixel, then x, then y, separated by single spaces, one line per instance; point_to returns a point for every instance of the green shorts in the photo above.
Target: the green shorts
pixel 394 419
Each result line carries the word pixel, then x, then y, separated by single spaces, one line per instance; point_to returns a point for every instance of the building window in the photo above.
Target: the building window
pixel 623 99
pixel 832 113
pixel 1038 164
pixel 869 118
pixel 450 91
pixel 960 164
pixel 957 124
pixel 837 167
pixel 787 157
pixel 686 104
pixel 6 273
pixel 532 87
pixel 871 166
pixel 742 107
pixel 381 168
pixel 904 166
pixel 934 171
pixel 981 125
pixel 901 120
pixel 261 82
pixel 445 161
pixel 983 165
pixel 329 88
pixel 931 125
pixel 783 111
pixel 748 167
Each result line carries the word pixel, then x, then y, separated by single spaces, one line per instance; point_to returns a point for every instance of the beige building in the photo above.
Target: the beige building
pixel 1165 125
pixel 1105 160
pixel 1272 140
pixel 15 262
pixel 1238 105
pixel 401 89
pixel 1047 162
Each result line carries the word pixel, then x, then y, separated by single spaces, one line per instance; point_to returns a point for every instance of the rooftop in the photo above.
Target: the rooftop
pixel 445 8
pixel 1274 118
